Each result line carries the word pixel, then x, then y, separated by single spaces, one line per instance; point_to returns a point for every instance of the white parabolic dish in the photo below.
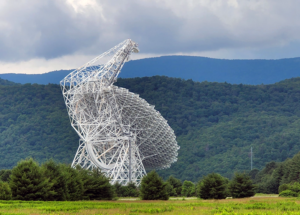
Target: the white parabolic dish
pixel 120 133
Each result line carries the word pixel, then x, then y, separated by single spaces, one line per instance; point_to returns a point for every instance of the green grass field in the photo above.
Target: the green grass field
pixel 249 206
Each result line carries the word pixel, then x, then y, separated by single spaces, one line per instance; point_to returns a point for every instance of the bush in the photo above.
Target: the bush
pixel 241 186
pixel 27 182
pixel 188 189
pixel 288 193
pixel 212 186
pixel 295 187
pixel 129 190
pixel 283 187
pixel 153 187
pixel 5 191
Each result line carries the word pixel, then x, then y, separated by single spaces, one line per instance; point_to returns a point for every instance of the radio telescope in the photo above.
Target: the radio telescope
pixel 120 133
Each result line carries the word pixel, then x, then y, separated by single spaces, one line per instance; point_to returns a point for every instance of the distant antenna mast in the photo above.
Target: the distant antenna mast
pixel 251 158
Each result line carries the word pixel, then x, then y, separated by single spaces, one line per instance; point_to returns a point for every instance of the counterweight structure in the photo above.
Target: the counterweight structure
pixel 120 133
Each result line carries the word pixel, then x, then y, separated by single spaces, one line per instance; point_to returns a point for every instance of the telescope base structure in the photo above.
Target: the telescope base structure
pixel 120 133
pixel 122 163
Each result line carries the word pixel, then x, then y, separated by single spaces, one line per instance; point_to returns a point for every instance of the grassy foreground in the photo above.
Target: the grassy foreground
pixel 249 206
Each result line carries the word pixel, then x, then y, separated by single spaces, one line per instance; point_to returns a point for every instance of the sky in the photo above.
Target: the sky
pixel 38 36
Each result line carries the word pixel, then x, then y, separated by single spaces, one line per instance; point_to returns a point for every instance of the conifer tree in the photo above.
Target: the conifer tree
pixel 54 173
pixel 176 184
pixel 241 186
pixel 5 191
pixel 153 187
pixel 171 191
pixel 212 186
pixel 118 189
pixel 131 190
pixel 96 185
pixel 74 183
pixel 4 174
pixel 27 182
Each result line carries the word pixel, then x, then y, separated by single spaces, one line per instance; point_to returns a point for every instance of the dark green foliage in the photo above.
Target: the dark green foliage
pixel 188 189
pixel 7 83
pixel 53 172
pixel 74 183
pixel 132 190
pixel 5 191
pixel 176 184
pixel 288 193
pixel 215 124
pixel 118 189
pixel 241 186
pixel 253 173
pixel 57 182
pixel 5 174
pixel 129 190
pixel 289 190
pixel 275 174
pixel 283 187
pixel 294 187
pixel 170 190
pixel 34 123
pixel 96 185
pixel 212 186
pixel 153 187
pixel 27 182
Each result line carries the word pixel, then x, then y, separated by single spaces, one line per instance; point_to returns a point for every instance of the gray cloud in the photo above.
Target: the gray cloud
pixel 53 28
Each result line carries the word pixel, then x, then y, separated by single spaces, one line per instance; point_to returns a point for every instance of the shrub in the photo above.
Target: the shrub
pixel 295 187
pixel 5 191
pixel 241 186
pixel 283 187
pixel 212 186
pixel 27 182
pixel 129 190
pixel 288 193
pixel 188 189
pixel 153 187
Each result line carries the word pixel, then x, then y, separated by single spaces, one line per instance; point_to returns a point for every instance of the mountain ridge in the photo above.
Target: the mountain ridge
pixel 252 72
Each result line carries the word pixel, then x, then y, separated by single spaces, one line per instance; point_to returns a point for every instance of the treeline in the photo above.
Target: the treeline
pixel 215 123
pixel 59 182
pixel 276 177
pixel 53 182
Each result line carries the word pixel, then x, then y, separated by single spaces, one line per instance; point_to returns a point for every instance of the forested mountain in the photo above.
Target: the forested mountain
pixel 189 67
pixel 215 123
pixel 4 82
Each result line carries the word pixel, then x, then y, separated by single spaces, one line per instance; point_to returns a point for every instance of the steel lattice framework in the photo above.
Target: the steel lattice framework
pixel 120 133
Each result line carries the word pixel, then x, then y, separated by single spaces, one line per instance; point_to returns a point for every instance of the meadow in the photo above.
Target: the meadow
pixel 248 206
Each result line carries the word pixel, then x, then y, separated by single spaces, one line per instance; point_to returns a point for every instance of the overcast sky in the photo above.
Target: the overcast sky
pixel 38 36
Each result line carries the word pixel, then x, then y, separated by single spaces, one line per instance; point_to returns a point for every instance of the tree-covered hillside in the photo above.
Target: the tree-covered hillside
pixel 215 123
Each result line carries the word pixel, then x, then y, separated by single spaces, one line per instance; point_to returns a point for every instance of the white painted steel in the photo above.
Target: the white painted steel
pixel 120 133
